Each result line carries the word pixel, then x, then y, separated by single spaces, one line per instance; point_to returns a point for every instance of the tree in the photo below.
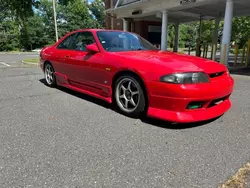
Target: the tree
pixel 188 34
pixel 20 9
pixel 45 11
pixel 74 16
pixel 32 34
pixel 207 31
pixel 9 35
pixel 97 8
pixel 30 23
pixel 241 30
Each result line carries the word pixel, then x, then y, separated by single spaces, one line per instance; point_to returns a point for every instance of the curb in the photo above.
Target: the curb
pixel 30 63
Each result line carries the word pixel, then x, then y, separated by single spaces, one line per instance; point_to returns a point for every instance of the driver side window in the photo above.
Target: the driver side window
pixel 82 40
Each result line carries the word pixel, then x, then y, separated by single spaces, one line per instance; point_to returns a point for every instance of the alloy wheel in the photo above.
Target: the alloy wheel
pixel 49 76
pixel 127 95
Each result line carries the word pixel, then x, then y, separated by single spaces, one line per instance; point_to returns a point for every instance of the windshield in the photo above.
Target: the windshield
pixel 117 41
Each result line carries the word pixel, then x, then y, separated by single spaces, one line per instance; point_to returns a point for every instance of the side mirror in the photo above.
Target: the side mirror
pixel 92 48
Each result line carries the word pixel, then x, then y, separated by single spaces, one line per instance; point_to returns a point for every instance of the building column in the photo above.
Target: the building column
pixel 215 39
pixel 176 39
pixel 125 24
pixel 227 30
pixel 164 30
pixel 198 41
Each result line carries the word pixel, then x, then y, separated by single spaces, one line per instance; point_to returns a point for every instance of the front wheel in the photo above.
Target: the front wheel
pixel 49 75
pixel 129 96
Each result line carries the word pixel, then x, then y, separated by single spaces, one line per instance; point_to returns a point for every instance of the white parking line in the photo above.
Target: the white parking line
pixel 5 64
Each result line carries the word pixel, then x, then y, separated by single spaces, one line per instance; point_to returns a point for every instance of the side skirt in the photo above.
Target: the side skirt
pixel 62 80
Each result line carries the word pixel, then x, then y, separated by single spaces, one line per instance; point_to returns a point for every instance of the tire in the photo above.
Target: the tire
pixel 49 75
pixel 129 96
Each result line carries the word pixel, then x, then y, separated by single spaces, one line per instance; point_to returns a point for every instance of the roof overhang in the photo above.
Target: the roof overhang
pixel 205 9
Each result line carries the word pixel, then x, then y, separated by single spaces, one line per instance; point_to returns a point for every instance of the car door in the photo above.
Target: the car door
pixel 78 59
pixel 60 53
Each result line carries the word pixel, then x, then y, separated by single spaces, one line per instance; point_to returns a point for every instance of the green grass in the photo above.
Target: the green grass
pixel 238 180
pixel 9 52
pixel 31 60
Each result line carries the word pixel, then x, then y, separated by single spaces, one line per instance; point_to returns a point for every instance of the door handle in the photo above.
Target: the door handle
pixel 67 56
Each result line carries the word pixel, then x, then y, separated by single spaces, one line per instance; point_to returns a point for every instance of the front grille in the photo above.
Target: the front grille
pixel 216 74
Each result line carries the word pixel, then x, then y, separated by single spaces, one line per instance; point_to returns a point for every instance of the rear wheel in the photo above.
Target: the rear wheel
pixel 129 96
pixel 49 75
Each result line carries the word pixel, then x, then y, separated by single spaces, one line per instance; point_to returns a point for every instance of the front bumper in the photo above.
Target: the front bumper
pixel 170 101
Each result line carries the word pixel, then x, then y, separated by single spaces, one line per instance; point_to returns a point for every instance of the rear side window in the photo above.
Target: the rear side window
pixel 65 44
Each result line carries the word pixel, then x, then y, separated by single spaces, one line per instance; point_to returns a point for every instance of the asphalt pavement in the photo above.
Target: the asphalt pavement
pixel 59 138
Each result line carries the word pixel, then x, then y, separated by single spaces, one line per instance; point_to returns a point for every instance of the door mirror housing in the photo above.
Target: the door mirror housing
pixel 92 48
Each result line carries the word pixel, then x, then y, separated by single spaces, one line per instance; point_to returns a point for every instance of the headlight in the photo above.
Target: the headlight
pixel 185 78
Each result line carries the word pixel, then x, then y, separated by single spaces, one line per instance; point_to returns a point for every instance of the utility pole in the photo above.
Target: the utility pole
pixel 54 9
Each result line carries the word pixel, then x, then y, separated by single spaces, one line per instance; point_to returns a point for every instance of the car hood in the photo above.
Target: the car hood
pixel 176 62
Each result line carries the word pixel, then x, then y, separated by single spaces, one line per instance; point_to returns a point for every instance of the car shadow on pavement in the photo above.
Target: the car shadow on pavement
pixel 81 95
pixel 171 125
pixel 144 118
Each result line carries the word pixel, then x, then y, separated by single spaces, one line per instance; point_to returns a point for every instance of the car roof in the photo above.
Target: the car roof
pixel 95 30
pixel 91 30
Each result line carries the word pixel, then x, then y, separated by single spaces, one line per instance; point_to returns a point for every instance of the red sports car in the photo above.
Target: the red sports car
pixel 125 69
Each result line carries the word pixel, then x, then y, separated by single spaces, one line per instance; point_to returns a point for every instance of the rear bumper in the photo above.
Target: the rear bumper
pixel 170 102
